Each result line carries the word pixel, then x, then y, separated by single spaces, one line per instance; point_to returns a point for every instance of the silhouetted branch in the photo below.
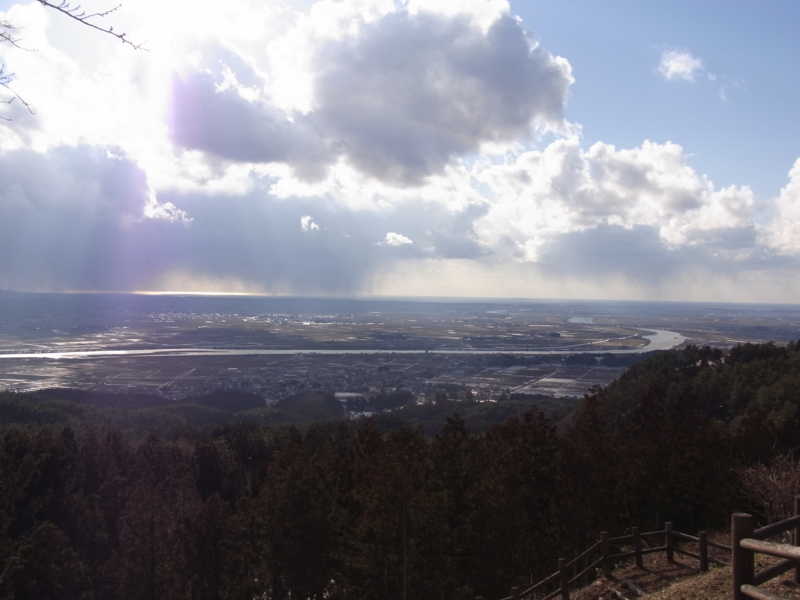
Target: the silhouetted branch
pixel 6 34
pixel 75 12
pixel 5 79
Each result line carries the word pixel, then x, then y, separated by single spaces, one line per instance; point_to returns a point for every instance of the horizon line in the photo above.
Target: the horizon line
pixel 376 297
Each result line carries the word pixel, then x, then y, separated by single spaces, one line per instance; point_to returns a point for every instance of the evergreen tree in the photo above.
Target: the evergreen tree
pixel 45 567
pixel 588 470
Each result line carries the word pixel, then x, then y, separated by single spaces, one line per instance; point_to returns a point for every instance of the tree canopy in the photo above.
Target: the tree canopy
pixel 346 510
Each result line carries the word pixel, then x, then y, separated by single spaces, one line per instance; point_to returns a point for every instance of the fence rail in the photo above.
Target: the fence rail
pixel 748 541
pixel 562 582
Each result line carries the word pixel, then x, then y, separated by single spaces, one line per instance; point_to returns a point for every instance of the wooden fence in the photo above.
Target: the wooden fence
pixel 560 582
pixel 747 541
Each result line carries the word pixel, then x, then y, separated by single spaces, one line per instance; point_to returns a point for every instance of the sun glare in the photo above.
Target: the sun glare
pixel 179 293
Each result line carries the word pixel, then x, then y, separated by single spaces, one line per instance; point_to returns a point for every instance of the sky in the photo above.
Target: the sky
pixel 628 149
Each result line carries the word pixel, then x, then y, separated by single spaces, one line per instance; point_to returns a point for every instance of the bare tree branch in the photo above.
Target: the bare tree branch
pixel 5 80
pixel 6 33
pixel 7 36
pixel 77 13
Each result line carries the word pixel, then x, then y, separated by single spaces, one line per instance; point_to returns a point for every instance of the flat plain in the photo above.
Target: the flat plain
pixel 279 346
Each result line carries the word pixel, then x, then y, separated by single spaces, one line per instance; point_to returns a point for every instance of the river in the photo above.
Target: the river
pixel 659 339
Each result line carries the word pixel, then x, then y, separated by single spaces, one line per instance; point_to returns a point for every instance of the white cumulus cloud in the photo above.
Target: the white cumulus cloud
pixel 399 94
pixel 396 239
pixel 307 223
pixel 782 234
pixel 680 65
pixel 193 164
pixel 564 189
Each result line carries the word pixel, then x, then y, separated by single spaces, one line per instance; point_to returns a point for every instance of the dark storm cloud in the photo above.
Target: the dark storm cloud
pixel 224 124
pixel 74 218
pixel 261 239
pixel 399 100
pixel 609 249
pixel 63 214
pixel 640 254
pixel 411 92
pixel 89 180
pixel 435 231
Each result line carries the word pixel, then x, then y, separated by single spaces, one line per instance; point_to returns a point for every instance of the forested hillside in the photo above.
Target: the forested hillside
pixel 350 511
pixel 143 414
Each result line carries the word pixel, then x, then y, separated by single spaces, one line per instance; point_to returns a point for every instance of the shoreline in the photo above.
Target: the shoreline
pixel 660 339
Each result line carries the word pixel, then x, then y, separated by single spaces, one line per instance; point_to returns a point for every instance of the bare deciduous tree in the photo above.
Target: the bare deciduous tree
pixel 9 32
pixel 773 487
pixel 89 19
pixel 7 35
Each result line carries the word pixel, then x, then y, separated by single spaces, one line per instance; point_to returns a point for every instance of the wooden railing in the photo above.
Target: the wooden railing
pixel 561 580
pixel 747 541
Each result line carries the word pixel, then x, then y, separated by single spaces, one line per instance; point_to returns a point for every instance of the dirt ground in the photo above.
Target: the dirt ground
pixel 630 582
pixel 681 580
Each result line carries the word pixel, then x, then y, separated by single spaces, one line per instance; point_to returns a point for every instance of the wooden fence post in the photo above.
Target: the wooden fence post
pixel 515 593
pixel 585 578
pixel 563 578
pixel 637 547
pixel 669 542
pixel 606 555
pixel 703 551
pixel 741 559
pixel 796 536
